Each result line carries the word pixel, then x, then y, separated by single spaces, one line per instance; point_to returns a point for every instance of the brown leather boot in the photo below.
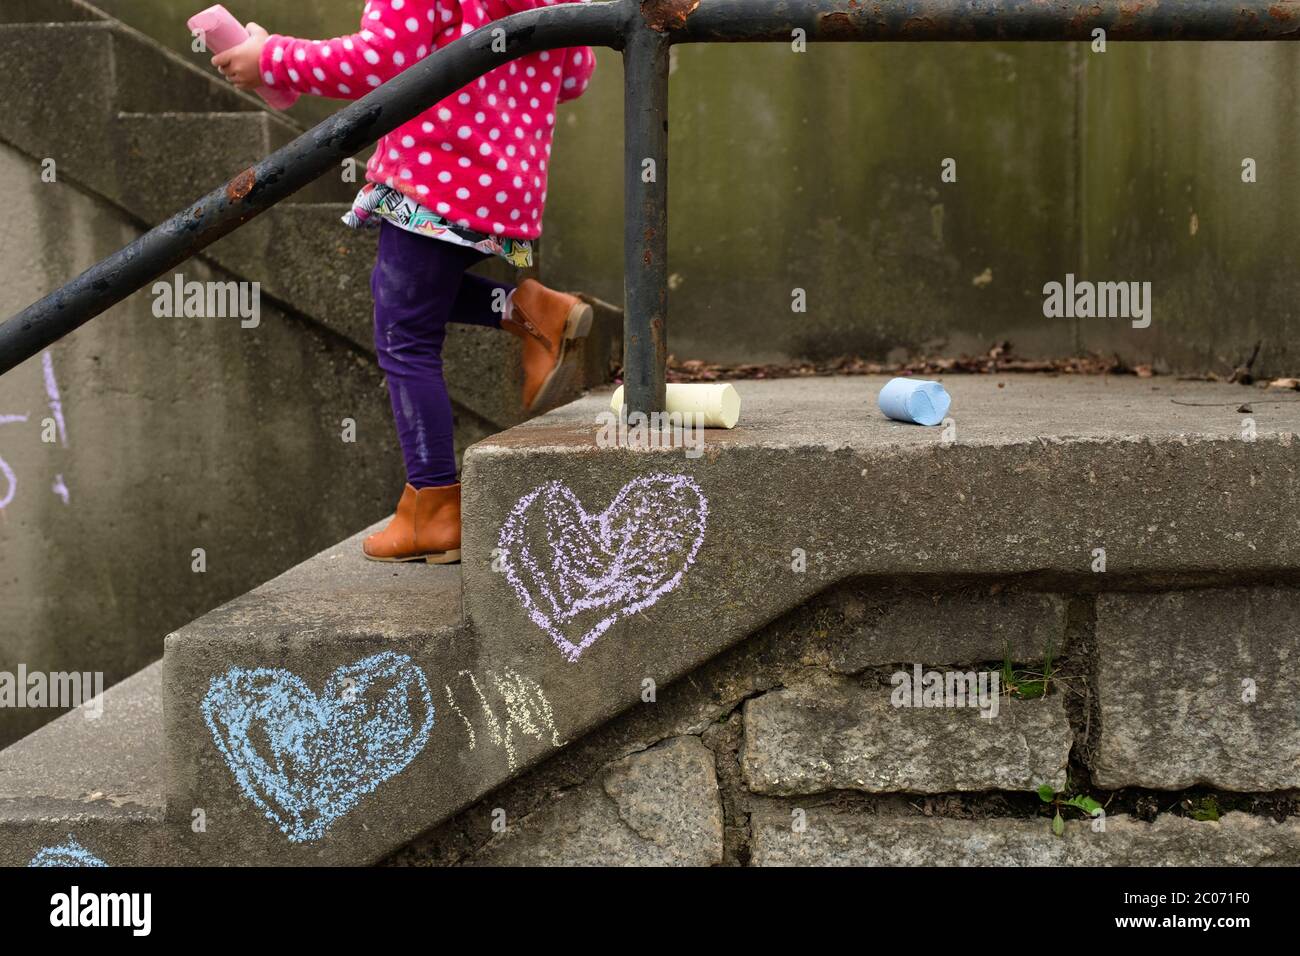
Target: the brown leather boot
pixel 425 528
pixel 547 321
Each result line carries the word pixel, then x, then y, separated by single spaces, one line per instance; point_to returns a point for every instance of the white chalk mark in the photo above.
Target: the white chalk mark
pixel 527 712
pixel 469 728
pixel 59 488
pixel 524 702
pixel 493 726
pixel 52 394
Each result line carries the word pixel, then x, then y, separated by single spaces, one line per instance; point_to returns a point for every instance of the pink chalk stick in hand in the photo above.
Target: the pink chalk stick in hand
pixel 221 31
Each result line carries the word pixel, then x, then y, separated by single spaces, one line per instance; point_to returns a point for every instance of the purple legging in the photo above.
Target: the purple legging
pixel 419 285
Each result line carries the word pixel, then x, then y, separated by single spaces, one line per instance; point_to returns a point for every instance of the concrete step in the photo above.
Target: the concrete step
pixel 283 249
pixel 197 150
pixel 591 572
pixel 330 188
pixel 48 11
pixel 85 137
pixel 90 785
pixel 1033 477
pixel 399 744
pixel 200 151
pixel 153 79
pixel 33 59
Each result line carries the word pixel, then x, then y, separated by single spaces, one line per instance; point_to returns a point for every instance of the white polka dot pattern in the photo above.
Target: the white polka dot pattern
pixel 480 156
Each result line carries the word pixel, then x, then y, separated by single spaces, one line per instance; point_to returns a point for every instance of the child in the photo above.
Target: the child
pixel 464 180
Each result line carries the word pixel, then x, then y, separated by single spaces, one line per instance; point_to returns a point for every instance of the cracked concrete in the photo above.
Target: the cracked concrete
pixel 655 807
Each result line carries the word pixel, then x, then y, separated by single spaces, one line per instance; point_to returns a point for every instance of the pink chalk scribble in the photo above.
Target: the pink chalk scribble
pixel 565 564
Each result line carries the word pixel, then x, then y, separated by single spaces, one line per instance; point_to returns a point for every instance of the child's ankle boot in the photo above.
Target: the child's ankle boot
pixel 426 527
pixel 547 321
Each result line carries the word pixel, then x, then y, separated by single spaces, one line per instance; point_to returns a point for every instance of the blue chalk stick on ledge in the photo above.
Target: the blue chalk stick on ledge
pixel 914 400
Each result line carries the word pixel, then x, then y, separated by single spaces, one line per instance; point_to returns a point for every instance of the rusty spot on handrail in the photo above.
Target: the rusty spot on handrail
pixel 666 15
pixel 241 185
pixel 837 25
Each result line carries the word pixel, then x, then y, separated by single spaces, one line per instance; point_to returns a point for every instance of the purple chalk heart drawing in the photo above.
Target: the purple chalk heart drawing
pixel 577 573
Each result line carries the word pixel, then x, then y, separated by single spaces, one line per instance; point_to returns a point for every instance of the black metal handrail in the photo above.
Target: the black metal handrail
pixel 643 30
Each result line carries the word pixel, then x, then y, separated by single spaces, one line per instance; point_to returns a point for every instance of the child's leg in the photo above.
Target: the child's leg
pixel 481 302
pixel 417 285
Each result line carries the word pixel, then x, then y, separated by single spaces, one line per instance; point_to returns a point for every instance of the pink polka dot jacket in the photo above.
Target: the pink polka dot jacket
pixel 480 157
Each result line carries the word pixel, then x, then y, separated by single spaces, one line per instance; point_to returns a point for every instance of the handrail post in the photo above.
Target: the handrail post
pixel 645 238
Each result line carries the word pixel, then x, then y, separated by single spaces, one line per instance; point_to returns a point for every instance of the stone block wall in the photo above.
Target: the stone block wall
pixel 1175 710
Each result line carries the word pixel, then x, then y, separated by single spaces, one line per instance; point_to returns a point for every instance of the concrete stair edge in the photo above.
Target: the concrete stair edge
pixel 49 11
pixel 95 782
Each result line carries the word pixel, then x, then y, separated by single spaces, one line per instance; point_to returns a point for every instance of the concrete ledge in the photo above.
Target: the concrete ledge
pixel 841 839
pixel 150 78
pixel 1041 475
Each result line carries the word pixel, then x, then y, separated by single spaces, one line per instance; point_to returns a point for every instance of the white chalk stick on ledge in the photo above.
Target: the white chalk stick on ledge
pixel 718 402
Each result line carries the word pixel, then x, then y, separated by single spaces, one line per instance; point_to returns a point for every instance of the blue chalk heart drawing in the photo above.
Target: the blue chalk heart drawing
pixel 71 853
pixel 307 760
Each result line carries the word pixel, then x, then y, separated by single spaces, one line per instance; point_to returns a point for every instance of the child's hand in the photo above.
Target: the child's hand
pixel 241 65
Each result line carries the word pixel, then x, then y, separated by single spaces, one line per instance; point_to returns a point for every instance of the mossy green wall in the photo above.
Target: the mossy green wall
pixel 1164 135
